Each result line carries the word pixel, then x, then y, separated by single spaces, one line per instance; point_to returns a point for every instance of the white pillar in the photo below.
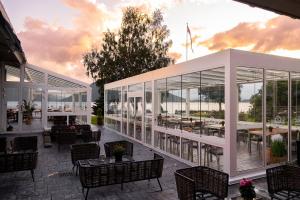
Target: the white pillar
pixel 89 105
pixel 231 102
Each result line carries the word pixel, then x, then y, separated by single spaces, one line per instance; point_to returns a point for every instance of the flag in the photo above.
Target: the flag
pixel 189 32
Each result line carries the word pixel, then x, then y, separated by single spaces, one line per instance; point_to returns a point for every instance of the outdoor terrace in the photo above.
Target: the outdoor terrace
pixel 54 178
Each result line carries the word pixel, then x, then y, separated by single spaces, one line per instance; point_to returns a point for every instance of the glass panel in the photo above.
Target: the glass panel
pixel 131 111
pixel 148 112
pixel 113 102
pixel 173 145
pixel 212 156
pixel 173 102
pixel 276 116
pixel 12 105
pixel 190 150
pixel 213 101
pixel 67 101
pixel 138 117
pixel 295 110
pixel 32 108
pixel 250 122
pixel 12 74
pixel 191 120
pixel 159 140
pixel 161 99
pixel 124 114
pixel 78 119
pixel 55 101
pixel 57 120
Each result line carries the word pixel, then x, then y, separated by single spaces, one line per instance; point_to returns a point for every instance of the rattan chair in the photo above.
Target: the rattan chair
pixel 3 144
pixel 96 136
pixel 23 144
pixel 87 135
pixel 109 147
pixel 201 183
pixel 284 182
pixel 64 138
pixel 83 152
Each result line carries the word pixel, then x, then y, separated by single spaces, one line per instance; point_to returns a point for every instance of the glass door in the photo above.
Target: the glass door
pixel 135 117
pixel 11 105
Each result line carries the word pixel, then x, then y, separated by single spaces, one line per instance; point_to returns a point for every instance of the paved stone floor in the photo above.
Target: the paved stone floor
pixel 54 179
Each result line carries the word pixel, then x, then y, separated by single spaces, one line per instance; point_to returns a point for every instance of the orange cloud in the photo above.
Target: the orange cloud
pixel 175 55
pixel 278 33
pixel 60 49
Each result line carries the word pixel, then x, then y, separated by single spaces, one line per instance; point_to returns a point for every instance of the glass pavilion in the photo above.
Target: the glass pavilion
pixel 234 110
pixel 54 99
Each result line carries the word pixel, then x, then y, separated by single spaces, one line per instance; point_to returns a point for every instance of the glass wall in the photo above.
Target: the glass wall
pixel 113 102
pixel 148 113
pixel 161 99
pixel 250 122
pixel 12 108
pixel 124 109
pixel 277 98
pixel 295 113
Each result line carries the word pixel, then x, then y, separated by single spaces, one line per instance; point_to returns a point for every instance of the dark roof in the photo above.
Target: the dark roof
pixel 11 52
pixel 284 7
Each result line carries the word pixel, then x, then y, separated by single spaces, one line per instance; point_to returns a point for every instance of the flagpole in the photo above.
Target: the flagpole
pixel 186 43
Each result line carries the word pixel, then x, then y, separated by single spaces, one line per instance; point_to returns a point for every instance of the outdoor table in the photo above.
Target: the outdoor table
pixel 103 160
pixel 275 131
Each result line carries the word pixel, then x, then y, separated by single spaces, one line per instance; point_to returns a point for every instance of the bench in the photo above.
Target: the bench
pixel 119 173
pixel 13 162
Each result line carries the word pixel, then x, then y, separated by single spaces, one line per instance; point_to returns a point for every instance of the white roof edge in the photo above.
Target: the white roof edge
pixel 58 75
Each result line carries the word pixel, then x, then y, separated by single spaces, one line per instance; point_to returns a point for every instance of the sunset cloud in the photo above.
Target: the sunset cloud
pixel 278 33
pixel 60 49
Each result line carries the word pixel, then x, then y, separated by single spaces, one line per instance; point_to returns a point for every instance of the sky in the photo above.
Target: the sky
pixel 56 33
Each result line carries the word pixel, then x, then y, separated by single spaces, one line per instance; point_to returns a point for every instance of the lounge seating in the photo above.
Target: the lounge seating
pixel 109 147
pixel 201 183
pixel 23 144
pixel 64 138
pixel 284 182
pixel 18 162
pixel 119 173
pixel 3 144
pixel 82 152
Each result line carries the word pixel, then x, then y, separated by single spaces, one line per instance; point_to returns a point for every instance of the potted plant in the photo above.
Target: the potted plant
pixel 278 151
pixel 118 152
pixel 27 109
pixel 247 189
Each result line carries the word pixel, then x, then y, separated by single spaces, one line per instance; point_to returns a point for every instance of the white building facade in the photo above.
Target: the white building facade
pixel 235 111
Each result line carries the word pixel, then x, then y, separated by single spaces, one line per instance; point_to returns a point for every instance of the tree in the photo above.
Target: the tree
pixel 140 45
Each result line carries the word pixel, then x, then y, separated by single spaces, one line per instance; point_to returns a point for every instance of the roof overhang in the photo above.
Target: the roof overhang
pixel 284 7
pixel 11 52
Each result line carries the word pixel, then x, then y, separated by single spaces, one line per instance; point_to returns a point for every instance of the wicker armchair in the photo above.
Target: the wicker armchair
pixel 3 144
pixel 82 152
pixel 64 138
pixel 23 144
pixel 109 147
pixel 119 173
pixel 87 135
pixel 201 183
pixel 284 182
pixel 96 136
pixel 18 162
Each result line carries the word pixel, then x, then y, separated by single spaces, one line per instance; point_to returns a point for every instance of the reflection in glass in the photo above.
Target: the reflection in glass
pixel 173 145
pixel 250 125
pixel 159 140
pixel 124 108
pixel 12 106
pixel 161 102
pixel 113 102
pixel 173 102
pixel 12 74
pixel 276 116
pixel 295 112
pixel 148 112
pixel 189 150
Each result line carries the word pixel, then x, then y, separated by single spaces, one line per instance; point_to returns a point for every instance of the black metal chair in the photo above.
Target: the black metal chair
pixel 284 182
pixel 201 183
pixel 83 152
pixel 109 147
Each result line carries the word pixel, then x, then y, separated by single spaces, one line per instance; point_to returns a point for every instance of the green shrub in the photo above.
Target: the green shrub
pixel 278 148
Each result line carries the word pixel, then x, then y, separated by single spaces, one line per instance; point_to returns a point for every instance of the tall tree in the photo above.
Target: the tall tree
pixel 140 45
